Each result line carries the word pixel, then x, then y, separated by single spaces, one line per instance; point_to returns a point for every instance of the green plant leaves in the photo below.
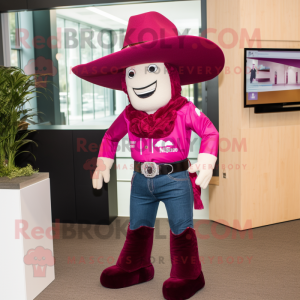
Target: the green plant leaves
pixel 16 89
pixel 16 171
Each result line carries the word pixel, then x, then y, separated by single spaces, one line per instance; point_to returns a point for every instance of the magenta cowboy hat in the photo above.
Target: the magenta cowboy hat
pixel 151 37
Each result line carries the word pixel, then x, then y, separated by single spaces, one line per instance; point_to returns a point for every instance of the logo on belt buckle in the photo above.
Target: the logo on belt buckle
pixel 150 169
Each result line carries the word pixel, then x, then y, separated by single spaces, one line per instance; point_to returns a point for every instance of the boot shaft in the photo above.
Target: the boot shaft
pixel 184 255
pixel 136 252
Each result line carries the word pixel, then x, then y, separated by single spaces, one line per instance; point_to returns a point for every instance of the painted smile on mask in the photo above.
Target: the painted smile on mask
pixel 146 91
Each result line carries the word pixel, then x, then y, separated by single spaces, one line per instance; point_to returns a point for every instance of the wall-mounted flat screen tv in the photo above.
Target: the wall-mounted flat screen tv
pixel 272 79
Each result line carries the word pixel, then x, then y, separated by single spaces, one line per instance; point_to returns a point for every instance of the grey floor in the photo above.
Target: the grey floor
pixel 264 264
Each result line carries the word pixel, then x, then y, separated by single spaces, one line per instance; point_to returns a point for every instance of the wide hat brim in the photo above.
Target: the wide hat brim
pixel 197 59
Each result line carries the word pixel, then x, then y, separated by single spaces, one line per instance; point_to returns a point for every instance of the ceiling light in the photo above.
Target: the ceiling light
pixel 107 15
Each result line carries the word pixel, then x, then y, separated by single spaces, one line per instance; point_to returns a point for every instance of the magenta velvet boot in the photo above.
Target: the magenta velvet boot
pixel 134 263
pixel 186 276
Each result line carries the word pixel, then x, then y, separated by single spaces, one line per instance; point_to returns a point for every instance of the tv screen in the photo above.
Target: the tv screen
pixel 272 76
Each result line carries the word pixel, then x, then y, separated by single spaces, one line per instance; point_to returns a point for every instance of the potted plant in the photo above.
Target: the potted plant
pixel 16 90
pixel 25 200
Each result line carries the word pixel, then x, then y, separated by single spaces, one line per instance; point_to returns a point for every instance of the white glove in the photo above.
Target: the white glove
pixel 205 164
pixel 102 171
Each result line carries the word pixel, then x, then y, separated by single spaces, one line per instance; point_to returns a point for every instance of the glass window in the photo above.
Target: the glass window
pixel 82 102
pixel 86 55
pixel 15 57
pixel 73 58
pixel 99 97
pixel 63 72
pixel 83 34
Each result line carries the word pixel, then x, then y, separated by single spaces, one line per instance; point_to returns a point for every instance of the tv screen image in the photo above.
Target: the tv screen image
pixel 272 76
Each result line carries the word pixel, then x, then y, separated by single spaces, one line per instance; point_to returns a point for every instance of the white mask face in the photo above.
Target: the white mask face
pixel 148 86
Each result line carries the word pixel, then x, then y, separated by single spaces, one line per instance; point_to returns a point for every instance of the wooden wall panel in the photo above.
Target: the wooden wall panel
pixel 274 119
pixel 270 183
pixel 225 198
pixel 267 191
pixel 277 19
pixel 279 24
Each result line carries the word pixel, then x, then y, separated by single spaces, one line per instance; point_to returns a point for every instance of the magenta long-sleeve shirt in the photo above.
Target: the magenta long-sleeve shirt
pixel 174 147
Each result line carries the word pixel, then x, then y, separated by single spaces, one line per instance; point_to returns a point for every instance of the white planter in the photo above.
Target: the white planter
pixel 26 257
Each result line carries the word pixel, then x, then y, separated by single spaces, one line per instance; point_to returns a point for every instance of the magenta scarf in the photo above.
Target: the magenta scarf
pixel 162 122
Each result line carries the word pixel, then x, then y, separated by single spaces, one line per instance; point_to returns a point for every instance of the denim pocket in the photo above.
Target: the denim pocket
pixel 179 176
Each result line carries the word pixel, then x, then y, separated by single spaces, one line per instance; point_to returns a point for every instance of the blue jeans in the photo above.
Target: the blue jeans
pixel 174 190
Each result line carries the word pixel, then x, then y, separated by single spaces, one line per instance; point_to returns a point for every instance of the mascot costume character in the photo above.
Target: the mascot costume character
pixel 151 67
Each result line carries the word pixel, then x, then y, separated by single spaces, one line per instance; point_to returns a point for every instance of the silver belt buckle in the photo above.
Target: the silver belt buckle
pixel 149 169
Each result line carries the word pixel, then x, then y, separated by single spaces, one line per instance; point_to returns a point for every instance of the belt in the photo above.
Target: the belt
pixel 151 169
